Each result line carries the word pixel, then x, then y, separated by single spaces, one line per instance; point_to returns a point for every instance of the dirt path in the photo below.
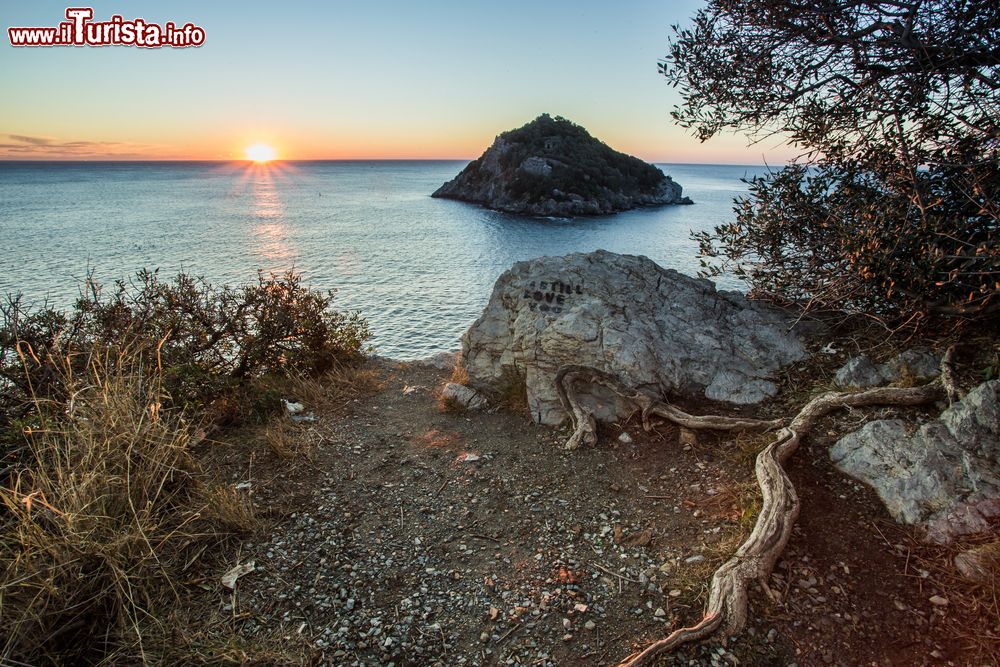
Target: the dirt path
pixel 416 537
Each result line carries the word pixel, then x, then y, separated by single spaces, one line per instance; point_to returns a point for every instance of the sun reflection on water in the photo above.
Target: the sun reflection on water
pixel 270 230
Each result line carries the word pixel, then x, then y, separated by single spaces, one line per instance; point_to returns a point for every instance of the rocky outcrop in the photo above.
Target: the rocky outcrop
pixel 944 475
pixel 552 167
pixel 651 327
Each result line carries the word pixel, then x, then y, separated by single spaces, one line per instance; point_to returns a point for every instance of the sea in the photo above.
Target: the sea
pixel 419 269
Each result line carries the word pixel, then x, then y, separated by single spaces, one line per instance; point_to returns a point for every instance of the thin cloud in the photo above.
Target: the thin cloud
pixel 24 146
pixel 34 141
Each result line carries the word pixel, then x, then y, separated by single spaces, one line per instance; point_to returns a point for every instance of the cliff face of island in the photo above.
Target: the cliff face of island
pixel 553 167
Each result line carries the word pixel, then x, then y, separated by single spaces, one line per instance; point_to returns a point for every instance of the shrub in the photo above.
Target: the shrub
pixel 210 342
pixel 894 210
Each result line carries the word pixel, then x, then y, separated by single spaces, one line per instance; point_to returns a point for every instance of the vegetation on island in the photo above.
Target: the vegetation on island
pixel 581 164
pixel 893 209
pixel 554 166
pixel 105 414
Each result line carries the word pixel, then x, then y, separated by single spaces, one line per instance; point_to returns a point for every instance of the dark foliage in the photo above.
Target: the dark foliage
pixel 206 341
pixel 581 164
pixel 896 108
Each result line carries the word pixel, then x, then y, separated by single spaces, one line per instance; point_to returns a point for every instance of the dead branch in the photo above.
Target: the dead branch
pixel 755 558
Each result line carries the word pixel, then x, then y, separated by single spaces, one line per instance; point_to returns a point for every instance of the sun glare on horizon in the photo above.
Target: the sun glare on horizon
pixel 260 153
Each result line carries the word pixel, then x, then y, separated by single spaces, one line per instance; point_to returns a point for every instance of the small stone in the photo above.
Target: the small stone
pixel 625 438
pixel 676 593
pixel 938 601
pixel 463 396
pixel 567 623
pixel 567 637
pixel 859 372
pixel 772 634
pixel 590 625
pixel 659 613
pixel 484 637
pixel 697 558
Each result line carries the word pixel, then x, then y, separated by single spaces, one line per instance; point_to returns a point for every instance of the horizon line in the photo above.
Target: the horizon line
pixel 358 159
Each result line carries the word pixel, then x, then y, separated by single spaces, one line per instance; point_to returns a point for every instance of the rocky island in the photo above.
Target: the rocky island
pixel 553 167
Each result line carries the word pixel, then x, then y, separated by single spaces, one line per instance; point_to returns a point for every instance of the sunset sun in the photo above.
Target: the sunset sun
pixel 260 153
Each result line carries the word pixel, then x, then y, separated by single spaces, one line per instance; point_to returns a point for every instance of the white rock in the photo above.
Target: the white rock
pixel 945 476
pixel 651 327
pixel 861 372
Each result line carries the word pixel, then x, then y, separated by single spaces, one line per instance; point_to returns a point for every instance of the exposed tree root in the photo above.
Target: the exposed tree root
pixel 755 558
pixel 585 427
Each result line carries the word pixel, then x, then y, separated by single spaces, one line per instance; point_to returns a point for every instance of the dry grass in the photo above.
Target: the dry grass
pixel 190 636
pixel 101 521
pixel 734 509
pixel 741 449
pixel 289 442
pixel 459 374
pixel 330 392
pixel 231 509
pixel 447 403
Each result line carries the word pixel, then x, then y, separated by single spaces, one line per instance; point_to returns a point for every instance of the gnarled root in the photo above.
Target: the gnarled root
pixel 755 558
pixel 585 427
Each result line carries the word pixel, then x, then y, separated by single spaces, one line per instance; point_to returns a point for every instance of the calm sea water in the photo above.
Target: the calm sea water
pixel 420 269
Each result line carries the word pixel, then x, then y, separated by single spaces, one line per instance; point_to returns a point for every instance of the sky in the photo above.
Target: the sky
pixel 373 79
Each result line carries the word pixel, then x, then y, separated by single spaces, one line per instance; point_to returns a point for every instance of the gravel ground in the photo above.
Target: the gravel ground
pixel 416 537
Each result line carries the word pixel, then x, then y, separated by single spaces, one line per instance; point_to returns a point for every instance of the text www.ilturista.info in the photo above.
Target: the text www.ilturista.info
pixel 79 30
